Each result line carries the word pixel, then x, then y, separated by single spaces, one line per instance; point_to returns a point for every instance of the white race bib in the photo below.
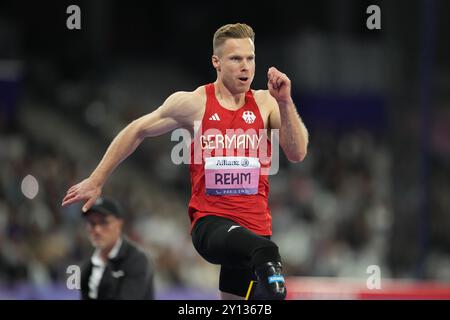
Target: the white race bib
pixel 232 175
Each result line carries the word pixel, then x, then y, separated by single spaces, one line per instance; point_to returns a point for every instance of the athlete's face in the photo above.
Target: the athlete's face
pixel 104 230
pixel 235 64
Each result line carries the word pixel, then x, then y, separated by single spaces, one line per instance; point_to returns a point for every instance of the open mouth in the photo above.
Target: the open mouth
pixel 243 79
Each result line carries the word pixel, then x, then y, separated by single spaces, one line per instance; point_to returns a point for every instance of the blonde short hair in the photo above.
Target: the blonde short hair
pixel 231 31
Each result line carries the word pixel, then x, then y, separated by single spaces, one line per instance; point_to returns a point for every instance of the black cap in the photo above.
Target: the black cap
pixel 107 206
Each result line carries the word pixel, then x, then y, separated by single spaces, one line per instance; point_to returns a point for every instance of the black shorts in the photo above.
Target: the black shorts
pixel 223 241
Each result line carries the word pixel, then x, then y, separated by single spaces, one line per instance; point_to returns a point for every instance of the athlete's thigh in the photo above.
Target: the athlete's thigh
pixel 209 238
pixel 223 241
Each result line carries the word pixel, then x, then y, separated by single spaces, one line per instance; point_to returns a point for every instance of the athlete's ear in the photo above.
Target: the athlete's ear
pixel 216 62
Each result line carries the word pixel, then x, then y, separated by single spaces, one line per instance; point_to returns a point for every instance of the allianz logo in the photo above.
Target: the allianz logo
pixel 224 162
pixel 227 162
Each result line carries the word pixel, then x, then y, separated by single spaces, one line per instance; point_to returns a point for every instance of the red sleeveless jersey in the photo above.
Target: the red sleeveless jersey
pixel 230 159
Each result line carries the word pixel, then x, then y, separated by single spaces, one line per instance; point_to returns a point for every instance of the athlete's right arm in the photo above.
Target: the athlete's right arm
pixel 177 111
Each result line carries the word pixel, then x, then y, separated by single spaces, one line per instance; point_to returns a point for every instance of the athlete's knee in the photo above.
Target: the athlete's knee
pixel 266 251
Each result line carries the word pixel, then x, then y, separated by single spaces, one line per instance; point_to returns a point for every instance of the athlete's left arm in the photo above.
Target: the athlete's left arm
pixel 284 116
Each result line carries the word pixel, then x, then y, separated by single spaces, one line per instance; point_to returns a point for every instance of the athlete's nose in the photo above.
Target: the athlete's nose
pixel 245 65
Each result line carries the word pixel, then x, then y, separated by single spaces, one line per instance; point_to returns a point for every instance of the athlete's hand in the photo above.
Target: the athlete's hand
pixel 279 85
pixel 88 189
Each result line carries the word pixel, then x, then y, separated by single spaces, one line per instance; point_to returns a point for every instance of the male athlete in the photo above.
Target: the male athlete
pixel 229 213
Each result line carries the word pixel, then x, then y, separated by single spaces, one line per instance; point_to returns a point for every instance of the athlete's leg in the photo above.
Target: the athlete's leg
pixel 222 241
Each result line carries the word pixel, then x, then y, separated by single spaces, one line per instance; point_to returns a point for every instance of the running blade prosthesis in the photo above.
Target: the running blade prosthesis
pixel 270 284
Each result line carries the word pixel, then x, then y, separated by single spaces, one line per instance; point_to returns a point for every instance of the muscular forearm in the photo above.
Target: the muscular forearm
pixel 120 148
pixel 293 133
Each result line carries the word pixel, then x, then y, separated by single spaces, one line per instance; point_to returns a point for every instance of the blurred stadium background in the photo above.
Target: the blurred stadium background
pixel 373 190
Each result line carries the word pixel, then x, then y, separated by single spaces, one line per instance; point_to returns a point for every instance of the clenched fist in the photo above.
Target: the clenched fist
pixel 279 85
